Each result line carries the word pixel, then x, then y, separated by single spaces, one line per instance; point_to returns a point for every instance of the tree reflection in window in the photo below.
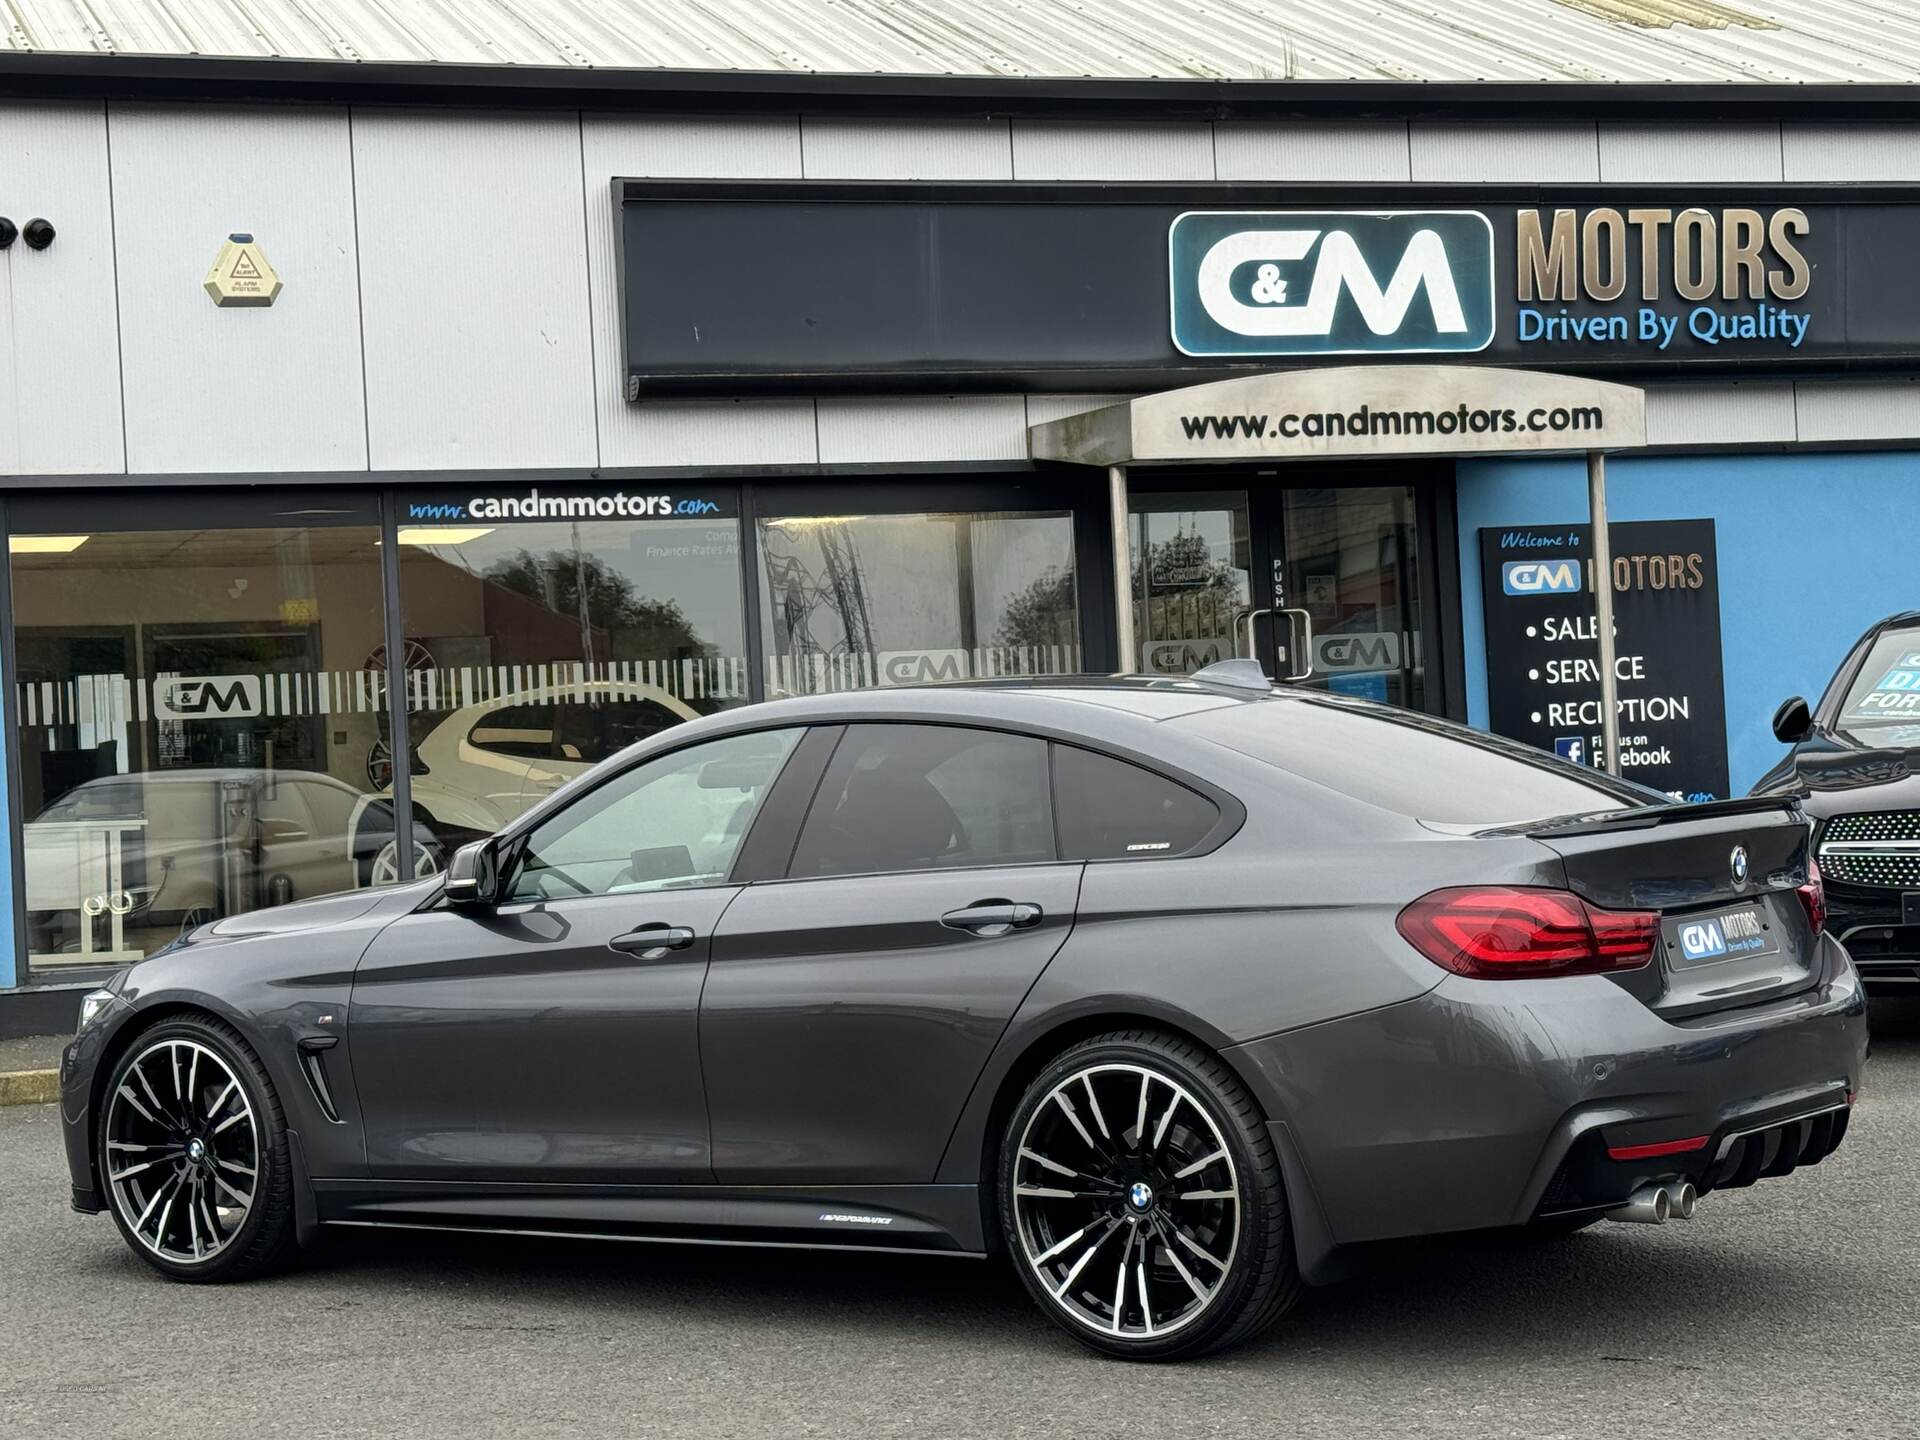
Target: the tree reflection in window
pixel 582 585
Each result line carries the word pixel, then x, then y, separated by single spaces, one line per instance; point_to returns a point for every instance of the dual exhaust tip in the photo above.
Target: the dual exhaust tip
pixel 1657 1204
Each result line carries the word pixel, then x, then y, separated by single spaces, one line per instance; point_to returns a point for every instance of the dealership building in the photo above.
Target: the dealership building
pixel 403 405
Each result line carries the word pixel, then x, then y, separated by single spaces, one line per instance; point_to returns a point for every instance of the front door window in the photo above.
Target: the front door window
pixel 673 823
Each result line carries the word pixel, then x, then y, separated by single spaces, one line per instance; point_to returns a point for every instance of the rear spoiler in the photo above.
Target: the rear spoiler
pixel 1645 817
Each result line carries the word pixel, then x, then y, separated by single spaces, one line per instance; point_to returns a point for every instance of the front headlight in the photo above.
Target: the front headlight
pixel 91 1004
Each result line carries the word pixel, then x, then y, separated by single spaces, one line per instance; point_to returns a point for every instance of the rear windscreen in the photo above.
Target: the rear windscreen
pixel 1412 765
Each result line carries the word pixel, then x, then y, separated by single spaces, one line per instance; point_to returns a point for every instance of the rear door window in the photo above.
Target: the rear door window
pixel 924 797
pixel 1112 810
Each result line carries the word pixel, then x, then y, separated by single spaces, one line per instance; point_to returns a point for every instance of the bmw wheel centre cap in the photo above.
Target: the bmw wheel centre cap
pixel 1140 1196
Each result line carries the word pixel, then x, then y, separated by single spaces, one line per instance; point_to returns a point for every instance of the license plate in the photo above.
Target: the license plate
pixel 1725 935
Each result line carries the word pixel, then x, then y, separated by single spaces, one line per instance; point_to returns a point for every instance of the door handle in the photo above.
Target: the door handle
pixel 650 942
pixel 988 918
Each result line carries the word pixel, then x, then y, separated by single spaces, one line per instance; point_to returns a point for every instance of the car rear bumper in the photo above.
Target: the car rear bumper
pixel 1486 1103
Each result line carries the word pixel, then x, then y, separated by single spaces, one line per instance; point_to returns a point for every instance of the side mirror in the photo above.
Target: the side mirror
pixel 473 874
pixel 1792 722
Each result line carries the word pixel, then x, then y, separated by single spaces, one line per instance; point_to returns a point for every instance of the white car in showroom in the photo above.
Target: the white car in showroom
pixel 483 764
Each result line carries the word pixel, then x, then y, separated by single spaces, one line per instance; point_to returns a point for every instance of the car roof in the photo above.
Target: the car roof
pixel 1065 700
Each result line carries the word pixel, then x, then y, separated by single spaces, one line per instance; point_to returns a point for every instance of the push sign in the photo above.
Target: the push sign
pixel 1305 282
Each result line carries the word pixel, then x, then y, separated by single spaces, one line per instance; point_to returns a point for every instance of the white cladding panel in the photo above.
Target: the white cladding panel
pixel 1120 150
pixel 236 389
pixel 1687 154
pixel 473 282
pixel 1837 410
pixel 937 427
pixel 672 432
pixel 1467 153
pixel 1312 150
pixel 59 349
pixel 835 149
pixel 1738 413
pixel 1865 153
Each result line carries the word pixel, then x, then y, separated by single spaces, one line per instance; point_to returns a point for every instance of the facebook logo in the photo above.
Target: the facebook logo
pixel 1571 747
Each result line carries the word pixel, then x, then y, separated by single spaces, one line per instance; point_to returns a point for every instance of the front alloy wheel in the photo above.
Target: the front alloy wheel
pixel 192 1151
pixel 1143 1200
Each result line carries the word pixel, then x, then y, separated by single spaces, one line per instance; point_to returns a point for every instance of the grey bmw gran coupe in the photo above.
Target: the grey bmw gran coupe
pixel 1171 991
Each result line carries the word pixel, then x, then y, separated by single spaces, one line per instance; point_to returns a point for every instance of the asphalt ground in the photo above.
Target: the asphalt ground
pixel 1791 1309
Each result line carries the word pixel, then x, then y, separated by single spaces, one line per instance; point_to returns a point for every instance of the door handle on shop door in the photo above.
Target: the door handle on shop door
pixel 988 918
pixel 650 942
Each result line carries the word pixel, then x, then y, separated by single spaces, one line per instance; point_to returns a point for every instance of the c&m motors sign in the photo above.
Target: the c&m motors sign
pixel 1314 282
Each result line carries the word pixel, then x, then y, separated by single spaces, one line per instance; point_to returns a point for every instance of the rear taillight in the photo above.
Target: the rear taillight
pixel 1813 897
pixel 1514 932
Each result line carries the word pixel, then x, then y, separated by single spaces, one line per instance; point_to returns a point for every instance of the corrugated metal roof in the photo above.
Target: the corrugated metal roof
pixel 1592 41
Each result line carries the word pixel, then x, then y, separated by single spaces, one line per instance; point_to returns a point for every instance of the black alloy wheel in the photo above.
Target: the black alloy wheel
pixel 1142 1200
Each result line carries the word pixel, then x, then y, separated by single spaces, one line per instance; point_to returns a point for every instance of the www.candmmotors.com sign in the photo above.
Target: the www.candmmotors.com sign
pixel 1331 282
pixel 1353 410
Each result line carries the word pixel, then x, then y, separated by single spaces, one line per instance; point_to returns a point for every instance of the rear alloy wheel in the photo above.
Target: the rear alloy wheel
pixel 193 1154
pixel 1142 1200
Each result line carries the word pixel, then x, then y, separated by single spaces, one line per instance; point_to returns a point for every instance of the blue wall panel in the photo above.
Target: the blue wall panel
pixel 1813 549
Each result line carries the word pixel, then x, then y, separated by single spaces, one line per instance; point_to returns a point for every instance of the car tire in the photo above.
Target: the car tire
pixel 1147 1144
pixel 189 1114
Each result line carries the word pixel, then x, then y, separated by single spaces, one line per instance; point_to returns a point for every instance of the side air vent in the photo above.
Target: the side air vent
pixel 313 1065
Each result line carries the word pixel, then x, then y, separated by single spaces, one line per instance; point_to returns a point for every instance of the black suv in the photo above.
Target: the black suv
pixel 1855 757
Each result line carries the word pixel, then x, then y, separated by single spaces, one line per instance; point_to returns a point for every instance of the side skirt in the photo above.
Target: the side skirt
pixel 923 1219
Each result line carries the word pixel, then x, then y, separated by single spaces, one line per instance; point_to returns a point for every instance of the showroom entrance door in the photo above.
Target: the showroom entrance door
pixel 1325 573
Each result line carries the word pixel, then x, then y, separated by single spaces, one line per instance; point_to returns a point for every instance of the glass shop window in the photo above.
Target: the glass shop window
pixel 853 601
pixel 196 711
pixel 537 648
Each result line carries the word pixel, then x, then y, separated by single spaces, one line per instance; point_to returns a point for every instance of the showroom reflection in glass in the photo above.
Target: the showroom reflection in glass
pixel 196 712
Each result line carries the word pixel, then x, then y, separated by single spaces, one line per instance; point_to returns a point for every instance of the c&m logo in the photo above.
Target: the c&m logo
pixel 1180 657
pixel 1540 577
pixel 1371 650
pixel 206 697
pixel 1702 940
pixel 1736 933
pixel 922 667
pixel 1299 282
